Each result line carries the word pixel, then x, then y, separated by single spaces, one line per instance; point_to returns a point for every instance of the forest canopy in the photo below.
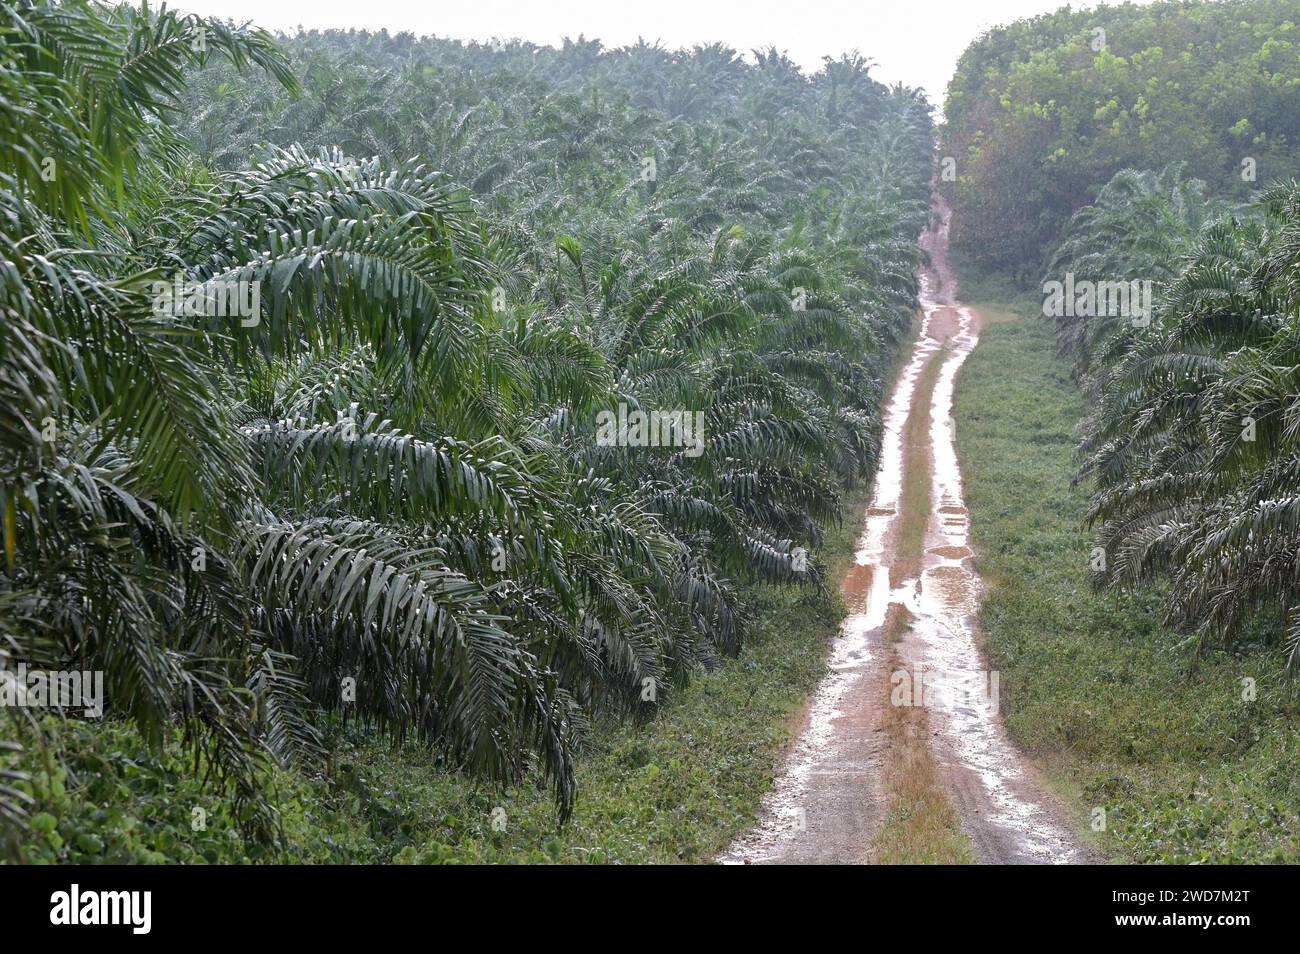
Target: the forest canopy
pixel 1042 112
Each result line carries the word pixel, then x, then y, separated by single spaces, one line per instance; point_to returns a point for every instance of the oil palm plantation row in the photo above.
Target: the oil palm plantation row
pixel 1137 230
pixel 384 495
pixel 1192 439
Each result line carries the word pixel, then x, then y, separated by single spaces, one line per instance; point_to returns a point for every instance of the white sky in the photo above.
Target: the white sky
pixel 915 41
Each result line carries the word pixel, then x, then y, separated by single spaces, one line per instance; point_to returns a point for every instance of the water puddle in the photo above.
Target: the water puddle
pixel 826 801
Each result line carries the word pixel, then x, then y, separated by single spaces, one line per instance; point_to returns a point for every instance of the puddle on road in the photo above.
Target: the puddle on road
pixel 822 802
pixel 810 777
pixel 1011 813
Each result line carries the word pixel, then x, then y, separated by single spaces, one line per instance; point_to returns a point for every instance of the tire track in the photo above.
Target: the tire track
pixel 830 797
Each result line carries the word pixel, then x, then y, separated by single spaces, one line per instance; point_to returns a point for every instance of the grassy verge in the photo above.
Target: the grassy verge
pixel 914 496
pixel 674 790
pixel 1170 757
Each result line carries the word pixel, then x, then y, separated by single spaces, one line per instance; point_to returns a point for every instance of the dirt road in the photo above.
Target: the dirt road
pixel 910 640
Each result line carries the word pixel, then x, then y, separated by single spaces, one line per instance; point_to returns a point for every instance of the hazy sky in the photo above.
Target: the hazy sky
pixel 915 41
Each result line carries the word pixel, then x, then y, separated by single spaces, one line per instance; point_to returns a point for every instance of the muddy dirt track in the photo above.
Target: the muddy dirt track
pixel 910 635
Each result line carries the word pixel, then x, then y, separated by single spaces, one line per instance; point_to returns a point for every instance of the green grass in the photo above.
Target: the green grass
pixel 1109 701
pixel 676 789
pixel 914 500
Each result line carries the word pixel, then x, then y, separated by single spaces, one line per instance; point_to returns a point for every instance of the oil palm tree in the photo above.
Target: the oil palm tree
pixel 383 499
pixel 1193 444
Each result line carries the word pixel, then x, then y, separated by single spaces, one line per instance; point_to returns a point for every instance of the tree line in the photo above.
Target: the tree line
pixel 1042 112
pixel 379 495
pixel 1061 130
pixel 1191 438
